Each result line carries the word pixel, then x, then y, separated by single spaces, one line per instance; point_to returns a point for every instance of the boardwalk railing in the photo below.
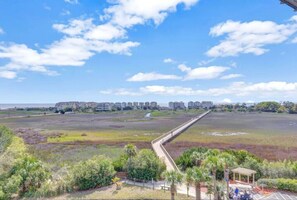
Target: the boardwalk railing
pixel 163 138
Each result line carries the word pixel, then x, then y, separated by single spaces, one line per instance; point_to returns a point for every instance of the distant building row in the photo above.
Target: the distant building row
pixel 127 106
pixel 106 106
pixel 191 105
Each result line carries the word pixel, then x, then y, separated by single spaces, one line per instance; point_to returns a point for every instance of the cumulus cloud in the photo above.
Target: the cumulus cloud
pixel 294 40
pixel 120 92
pixel 127 13
pixel 1 31
pixel 231 76
pixel 168 60
pixel 7 74
pixel 202 72
pixel 82 38
pixel 141 77
pixel 226 100
pixel 72 1
pixel 274 89
pixel 249 37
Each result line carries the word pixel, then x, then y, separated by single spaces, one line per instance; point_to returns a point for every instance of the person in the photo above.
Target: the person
pixel 245 196
pixel 236 191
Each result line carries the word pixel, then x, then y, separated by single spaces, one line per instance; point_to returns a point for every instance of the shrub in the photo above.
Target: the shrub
pixel 6 136
pixel 13 152
pixel 120 163
pixel 146 166
pixel 281 184
pixel 185 161
pixel 281 169
pixel 95 172
pixel 25 177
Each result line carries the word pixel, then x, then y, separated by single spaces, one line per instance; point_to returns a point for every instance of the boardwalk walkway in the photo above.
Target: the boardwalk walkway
pixel 158 142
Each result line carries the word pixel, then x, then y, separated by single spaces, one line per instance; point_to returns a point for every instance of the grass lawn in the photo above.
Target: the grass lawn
pixel 127 192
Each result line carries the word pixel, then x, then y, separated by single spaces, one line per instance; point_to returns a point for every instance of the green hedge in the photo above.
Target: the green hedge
pixel 281 184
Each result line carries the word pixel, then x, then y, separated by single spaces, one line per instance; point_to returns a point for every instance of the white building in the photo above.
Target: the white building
pixel 191 105
pixel 153 105
pixel 206 104
pixel 104 107
pixel 177 105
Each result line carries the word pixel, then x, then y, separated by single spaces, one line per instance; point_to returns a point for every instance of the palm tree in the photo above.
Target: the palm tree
pixel 131 151
pixel 198 157
pixel 227 161
pixel 188 178
pixel 213 163
pixel 198 175
pixel 173 178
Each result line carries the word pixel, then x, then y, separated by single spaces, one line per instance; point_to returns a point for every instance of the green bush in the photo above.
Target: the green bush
pixel 280 169
pixel 185 161
pixel 280 184
pixel 119 164
pixel 95 172
pixel 24 178
pixel 6 136
pixel 146 166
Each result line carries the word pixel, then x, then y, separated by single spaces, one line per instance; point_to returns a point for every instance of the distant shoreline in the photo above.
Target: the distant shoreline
pixel 32 105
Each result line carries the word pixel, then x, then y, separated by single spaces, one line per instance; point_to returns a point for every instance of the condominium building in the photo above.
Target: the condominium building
pixel 104 107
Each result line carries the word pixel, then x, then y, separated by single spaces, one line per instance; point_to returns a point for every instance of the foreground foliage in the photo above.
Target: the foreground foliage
pixel 96 172
pixel 145 166
pixel 5 138
pixel 173 178
pixel 280 184
pixel 24 178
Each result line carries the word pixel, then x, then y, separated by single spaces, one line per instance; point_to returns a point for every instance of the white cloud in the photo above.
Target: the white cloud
pixel 205 62
pixel 65 12
pixel 106 32
pixel 294 18
pixel 168 60
pixel 127 13
pixel 7 74
pixel 202 72
pixel 72 1
pixel 184 68
pixel 1 31
pixel 231 76
pixel 141 77
pixel 75 27
pixel 226 100
pixel 120 92
pixel 249 37
pixel 83 38
pixel 46 7
pixel 233 64
pixel 294 40
pixel 272 90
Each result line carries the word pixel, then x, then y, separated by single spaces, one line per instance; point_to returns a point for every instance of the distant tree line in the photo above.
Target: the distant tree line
pixel 271 106
pixel 267 106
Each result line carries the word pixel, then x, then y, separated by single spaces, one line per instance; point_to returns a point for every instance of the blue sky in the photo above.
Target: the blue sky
pixel 145 50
